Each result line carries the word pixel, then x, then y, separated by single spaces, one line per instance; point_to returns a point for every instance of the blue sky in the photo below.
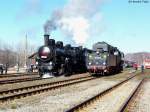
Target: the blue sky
pixel 125 25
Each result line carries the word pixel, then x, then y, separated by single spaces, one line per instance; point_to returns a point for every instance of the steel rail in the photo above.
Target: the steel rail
pixel 122 109
pixel 80 106
pixel 43 89
pixel 17 75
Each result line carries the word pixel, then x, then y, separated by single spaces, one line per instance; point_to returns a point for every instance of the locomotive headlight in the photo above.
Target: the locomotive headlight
pixel 90 56
pixel 104 56
pixel 50 63
pixel 104 63
pixel 36 63
pixel 90 63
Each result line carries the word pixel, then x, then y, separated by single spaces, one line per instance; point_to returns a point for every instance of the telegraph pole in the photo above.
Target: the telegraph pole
pixel 26 50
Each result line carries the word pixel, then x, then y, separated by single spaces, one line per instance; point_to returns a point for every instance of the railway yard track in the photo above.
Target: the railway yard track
pixel 139 102
pixel 36 89
pixel 131 96
pixel 115 97
pixel 16 75
pixel 10 81
pixel 93 103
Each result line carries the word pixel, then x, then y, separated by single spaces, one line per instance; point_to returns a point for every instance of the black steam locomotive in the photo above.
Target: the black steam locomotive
pixel 105 59
pixel 56 59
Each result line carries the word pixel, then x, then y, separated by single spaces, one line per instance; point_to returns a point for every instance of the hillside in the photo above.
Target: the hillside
pixel 137 57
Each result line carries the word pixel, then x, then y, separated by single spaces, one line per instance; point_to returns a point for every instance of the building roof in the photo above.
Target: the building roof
pixel 33 56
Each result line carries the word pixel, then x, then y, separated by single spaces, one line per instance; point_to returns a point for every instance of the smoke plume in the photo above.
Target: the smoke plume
pixel 75 18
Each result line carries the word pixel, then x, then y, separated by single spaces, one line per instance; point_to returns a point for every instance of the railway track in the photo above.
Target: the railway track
pixel 36 89
pixel 10 81
pixel 93 100
pixel 17 75
pixel 131 97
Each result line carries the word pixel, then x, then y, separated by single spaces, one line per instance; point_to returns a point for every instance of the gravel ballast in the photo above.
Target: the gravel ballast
pixel 113 101
pixel 141 101
pixel 64 98
pixel 61 102
pixel 36 82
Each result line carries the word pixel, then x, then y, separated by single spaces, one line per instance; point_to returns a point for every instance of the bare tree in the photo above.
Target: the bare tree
pixel 7 55
pixel 15 54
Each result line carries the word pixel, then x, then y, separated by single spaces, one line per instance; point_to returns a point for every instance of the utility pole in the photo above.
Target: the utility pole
pixel 26 50
pixel 17 65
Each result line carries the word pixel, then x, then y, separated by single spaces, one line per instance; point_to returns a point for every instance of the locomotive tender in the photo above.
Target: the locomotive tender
pixel 57 59
pixel 105 59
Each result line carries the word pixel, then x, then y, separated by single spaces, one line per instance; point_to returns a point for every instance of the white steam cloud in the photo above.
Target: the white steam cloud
pixel 78 27
pixel 75 18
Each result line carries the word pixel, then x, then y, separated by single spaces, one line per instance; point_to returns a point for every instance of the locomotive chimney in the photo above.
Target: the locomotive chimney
pixel 46 39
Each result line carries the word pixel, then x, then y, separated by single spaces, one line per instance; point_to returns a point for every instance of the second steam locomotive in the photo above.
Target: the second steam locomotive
pixel 105 59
